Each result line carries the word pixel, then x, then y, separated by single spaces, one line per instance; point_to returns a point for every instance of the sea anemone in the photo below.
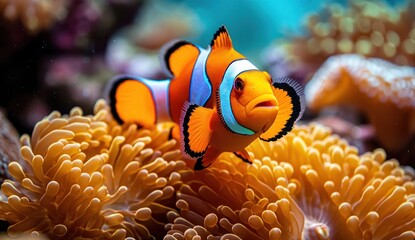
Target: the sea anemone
pixel 34 15
pixel 382 91
pixel 368 28
pixel 309 185
pixel 87 177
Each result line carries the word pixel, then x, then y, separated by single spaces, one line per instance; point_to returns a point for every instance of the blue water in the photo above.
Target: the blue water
pixel 253 24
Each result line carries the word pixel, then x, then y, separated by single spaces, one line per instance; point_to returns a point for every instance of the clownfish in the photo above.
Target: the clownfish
pixel 219 99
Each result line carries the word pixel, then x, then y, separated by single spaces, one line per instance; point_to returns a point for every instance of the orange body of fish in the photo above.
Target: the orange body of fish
pixel 220 100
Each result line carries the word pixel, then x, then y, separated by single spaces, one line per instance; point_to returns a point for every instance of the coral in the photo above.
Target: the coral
pixel 309 185
pixel 87 177
pixel 382 91
pixel 69 78
pixel 34 15
pixel 369 28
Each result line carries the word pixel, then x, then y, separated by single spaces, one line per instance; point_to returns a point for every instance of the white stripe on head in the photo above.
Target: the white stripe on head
pixel 225 88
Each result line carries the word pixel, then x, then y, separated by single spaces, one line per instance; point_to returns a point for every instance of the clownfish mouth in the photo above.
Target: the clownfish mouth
pixel 261 102
pixel 265 104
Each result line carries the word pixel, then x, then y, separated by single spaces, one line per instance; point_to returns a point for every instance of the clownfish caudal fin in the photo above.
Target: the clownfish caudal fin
pixel 207 160
pixel 195 132
pixel 138 100
pixel 290 96
pixel 178 55
pixel 244 155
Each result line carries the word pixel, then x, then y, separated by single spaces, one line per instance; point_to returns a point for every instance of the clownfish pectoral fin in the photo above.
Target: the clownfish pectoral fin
pixel 174 132
pixel 177 55
pixel 203 162
pixel 221 39
pixel 290 96
pixel 244 155
pixel 132 101
pixel 195 129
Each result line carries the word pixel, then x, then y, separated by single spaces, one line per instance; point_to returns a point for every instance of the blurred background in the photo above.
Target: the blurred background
pixel 57 54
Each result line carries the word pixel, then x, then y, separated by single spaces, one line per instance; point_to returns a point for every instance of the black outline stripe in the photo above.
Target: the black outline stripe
pixel 294 90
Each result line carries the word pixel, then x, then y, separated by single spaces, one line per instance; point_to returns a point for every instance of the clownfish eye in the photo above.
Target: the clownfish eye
pixel 238 84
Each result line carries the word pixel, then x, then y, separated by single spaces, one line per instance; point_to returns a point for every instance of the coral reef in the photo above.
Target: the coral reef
pixel 74 33
pixel 383 91
pixel 77 79
pixel 80 176
pixel 87 177
pixel 368 28
pixel 135 49
pixel 34 15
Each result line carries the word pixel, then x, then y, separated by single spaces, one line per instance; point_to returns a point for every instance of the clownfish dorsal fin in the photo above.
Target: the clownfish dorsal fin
pixel 221 39
pixel 177 54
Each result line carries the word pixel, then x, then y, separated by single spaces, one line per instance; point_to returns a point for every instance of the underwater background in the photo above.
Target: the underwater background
pixel 346 171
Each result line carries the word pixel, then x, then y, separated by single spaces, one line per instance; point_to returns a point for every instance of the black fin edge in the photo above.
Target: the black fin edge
pixel 242 158
pixel 185 132
pixel 113 90
pixel 222 29
pixel 296 92
pixel 170 137
pixel 199 165
pixel 170 49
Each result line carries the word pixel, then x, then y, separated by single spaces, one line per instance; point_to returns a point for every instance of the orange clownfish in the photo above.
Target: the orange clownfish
pixel 220 100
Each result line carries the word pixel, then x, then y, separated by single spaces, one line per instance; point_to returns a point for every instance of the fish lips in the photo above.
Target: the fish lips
pixel 263 104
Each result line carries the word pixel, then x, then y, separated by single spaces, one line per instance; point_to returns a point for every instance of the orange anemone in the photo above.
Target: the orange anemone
pixel 87 177
pixel 309 185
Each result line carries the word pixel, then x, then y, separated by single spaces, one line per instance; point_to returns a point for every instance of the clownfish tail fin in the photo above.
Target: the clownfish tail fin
pixel 133 100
